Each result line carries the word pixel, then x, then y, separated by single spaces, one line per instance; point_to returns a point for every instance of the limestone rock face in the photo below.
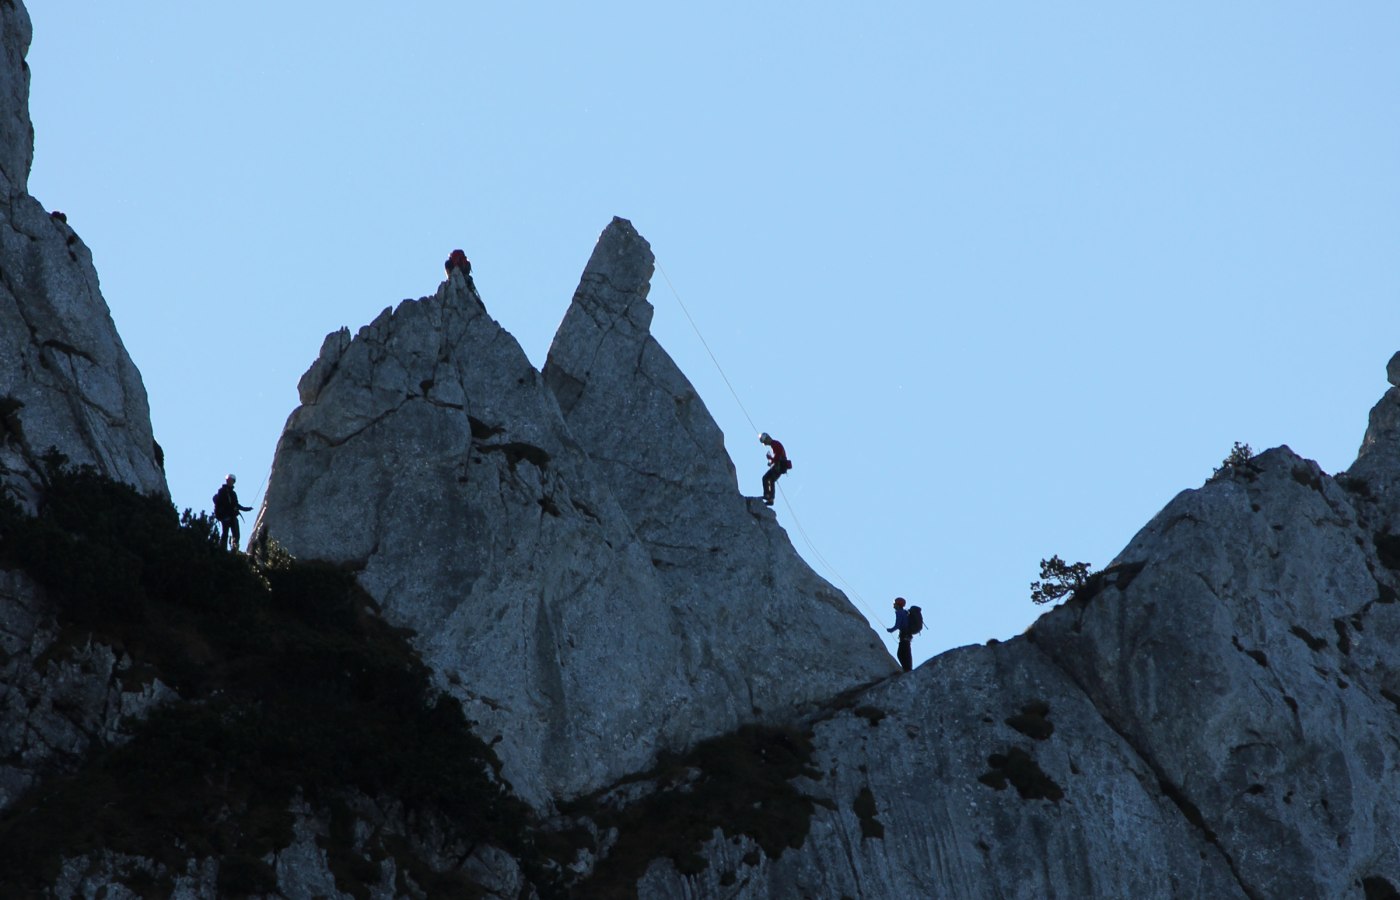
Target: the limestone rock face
pixel 905 810
pixel 1225 703
pixel 65 382
pixel 65 378
pixel 16 129
pixel 773 631
pixel 55 706
pixel 427 454
pixel 586 632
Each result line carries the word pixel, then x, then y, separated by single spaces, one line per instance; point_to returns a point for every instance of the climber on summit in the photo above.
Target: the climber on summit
pixel 458 260
pixel 901 624
pixel 226 512
pixel 778 463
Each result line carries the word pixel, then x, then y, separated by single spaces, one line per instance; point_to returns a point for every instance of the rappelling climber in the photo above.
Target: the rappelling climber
pixel 226 512
pixel 458 260
pixel 778 463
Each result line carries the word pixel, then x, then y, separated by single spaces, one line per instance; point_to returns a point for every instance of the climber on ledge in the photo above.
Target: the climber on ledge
pixel 458 260
pixel 226 512
pixel 778 463
pixel 901 624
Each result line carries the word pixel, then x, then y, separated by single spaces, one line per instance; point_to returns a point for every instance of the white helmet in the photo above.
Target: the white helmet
pixel 231 479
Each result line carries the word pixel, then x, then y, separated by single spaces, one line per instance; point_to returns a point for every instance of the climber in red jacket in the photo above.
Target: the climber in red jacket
pixel 778 463
pixel 457 259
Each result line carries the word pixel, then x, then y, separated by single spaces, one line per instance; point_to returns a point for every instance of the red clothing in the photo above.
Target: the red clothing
pixel 458 260
pixel 776 453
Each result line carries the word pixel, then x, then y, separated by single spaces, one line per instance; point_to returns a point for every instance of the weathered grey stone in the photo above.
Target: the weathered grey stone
pixel 428 454
pixel 105 875
pixel 56 702
pixel 304 870
pixel 1246 662
pixel 65 378
pixel 1392 370
pixel 16 130
pixel 921 746
pixel 1226 711
pixel 1375 476
pixel 775 633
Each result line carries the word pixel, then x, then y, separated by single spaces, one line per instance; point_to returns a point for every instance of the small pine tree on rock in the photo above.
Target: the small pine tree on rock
pixel 1239 459
pixel 1058 579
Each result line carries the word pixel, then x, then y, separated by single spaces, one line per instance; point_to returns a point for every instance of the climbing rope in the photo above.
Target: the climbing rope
pixel 850 588
pixel 706 345
pixel 791 511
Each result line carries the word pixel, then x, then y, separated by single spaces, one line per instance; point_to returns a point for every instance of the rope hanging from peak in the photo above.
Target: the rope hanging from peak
pixel 706 345
pixel 873 617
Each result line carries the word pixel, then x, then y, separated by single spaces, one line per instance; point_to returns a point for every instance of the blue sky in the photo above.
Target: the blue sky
pixel 1003 278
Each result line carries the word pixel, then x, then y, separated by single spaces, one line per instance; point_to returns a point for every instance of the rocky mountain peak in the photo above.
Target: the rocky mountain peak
pixel 16 130
pixel 431 456
pixel 67 382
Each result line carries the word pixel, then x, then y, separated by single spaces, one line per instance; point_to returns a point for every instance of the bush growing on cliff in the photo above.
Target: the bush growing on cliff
pixel 1058 579
pixel 1240 459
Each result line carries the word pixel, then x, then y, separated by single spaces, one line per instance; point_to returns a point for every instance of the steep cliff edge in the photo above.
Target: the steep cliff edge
pixel 771 632
pixel 67 381
pixel 1217 715
pixel 429 455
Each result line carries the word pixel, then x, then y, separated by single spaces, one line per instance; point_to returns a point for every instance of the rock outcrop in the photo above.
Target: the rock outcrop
pixel 1215 715
pixel 67 381
pixel 768 631
pixel 428 454
pixel 55 706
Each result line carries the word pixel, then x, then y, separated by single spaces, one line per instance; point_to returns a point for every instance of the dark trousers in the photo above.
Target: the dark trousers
pixel 770 480
pixel 230 530
pixel 906 659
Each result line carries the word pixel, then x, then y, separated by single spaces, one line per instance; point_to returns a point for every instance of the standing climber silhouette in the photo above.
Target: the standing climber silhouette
pixel 458 260
pixel 778 463
pixel 227 511
pixel 901 624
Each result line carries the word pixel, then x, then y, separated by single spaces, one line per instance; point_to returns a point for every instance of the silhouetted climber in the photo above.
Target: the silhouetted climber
pixel 226 512
pixel 458 260
pixel 778 463
pixel 901 624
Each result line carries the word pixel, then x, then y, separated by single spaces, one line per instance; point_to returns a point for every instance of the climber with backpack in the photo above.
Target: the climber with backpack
pixel 908 623
pixel 226 513
pixel 778 463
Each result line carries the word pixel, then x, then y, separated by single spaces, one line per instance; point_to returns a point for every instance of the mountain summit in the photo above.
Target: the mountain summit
pixel 590 584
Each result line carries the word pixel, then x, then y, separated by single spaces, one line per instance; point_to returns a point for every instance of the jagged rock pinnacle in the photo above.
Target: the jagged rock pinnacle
pixel 66 380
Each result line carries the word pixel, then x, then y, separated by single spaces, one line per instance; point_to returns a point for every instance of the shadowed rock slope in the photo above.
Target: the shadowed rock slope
pixel 429 455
